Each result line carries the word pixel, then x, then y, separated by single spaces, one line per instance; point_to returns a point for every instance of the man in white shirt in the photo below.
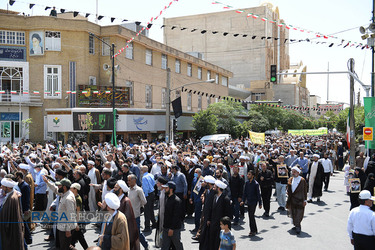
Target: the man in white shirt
pixel 361 223
pixel 328 170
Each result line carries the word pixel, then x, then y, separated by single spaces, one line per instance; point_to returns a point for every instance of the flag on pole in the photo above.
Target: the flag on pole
pixel 348 130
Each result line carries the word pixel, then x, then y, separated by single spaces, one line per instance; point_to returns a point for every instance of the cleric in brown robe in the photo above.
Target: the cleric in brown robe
pixel 126 208
pixel 12 234
pixel 115 234
pixel 297 198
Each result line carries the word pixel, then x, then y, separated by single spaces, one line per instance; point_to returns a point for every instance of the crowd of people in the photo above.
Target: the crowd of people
pixel 214 184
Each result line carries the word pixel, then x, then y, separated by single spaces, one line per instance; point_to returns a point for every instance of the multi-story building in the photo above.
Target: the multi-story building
pixel 292 89
pixel 245 45
pixel 54 71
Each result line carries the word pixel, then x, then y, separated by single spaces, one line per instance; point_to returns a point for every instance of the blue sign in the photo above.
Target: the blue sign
pixel 8 53
pixel 10 116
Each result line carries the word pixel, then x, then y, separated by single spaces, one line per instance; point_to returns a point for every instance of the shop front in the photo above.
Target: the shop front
pixel 132 125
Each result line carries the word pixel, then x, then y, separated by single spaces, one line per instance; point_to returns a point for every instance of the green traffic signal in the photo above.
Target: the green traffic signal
pixel 273 79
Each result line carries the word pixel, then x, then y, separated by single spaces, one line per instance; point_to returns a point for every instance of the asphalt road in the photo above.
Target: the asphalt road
pixel 323 227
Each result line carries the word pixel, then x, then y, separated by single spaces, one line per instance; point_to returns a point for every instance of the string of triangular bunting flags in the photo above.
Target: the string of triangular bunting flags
pixel 344 43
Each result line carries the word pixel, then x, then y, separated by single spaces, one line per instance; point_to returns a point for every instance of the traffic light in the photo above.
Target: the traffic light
pixel 273 77
pixel 174 125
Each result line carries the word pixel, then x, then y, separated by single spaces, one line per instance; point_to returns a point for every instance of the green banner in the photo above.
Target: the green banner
pixel 370 118
pixel 307 131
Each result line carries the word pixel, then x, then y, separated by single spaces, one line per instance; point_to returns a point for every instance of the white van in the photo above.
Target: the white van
pixel 214 138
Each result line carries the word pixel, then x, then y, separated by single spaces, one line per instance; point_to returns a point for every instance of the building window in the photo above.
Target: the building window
pixel 208 101
pixel 200 73
pixel 208 74
pixel 199 102
pixel 189 102
pixel 129 51
pixel 148 57
pixel 130 85
pixel 178 66
pixel 11 79
pixel 53 41
pixel 224 81
pixel 257 96
pixel 12 37
pixel 148 96
pixel 106 50
pixel 52 81
pixel 189 69
pixel 217 78
pixel 164 61
pixel 91 45
pixel 178 93
pixel 163 97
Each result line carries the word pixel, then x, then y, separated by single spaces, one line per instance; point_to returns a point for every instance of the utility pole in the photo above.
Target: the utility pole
pixel 351 118
pixel 114 140
pixel 112 56
pixel 328 84
pixel 168 107
pixel 373 59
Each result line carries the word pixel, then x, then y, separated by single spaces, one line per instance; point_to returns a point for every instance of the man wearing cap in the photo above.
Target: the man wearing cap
pixel 115 233
pixel 220 208
pixel 361 223
pixel 297 198
pixel 67 205
pixel 12 234
pixel 315 179
pixel 121 189
pixel 94 176
pixel 171 225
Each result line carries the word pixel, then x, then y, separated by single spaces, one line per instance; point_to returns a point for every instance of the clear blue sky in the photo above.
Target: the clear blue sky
pixel 325 16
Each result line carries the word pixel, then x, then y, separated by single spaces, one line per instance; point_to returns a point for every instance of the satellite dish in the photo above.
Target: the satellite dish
pixel 105 66
pixel 362 30
pixel 372 27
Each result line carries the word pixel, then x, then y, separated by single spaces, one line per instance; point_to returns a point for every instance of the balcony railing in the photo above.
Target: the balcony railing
pixel 14 98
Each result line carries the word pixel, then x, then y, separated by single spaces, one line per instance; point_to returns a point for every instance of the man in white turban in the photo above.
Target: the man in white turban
pixel 10 211
pixel 297 197
pixel 315 179
pixel 115 234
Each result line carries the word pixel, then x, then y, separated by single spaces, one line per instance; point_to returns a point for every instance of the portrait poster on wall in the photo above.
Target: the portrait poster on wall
pixel 36 43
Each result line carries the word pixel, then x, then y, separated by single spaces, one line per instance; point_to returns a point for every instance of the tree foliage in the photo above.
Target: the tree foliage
pixel 359 120
pixel 226 111
pixel 205 123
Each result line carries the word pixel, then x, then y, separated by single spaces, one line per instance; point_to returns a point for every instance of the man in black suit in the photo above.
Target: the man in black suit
pixel 220 208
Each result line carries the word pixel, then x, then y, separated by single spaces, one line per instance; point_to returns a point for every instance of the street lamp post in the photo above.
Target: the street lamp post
pixel 112 55
pixel 168 138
